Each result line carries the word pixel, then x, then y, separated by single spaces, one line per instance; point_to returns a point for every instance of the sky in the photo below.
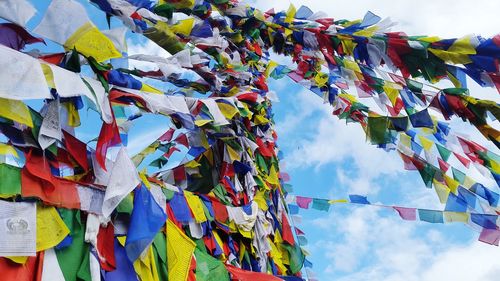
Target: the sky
pixel 327 158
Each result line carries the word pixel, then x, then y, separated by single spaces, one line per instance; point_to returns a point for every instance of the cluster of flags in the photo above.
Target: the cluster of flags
pixel 89 210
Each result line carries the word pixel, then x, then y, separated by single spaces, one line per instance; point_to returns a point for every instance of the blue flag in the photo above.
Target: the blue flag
pixel 147 219
pixel 358 199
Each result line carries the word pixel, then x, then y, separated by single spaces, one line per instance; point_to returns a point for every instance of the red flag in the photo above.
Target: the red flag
pixel 168 135
pixel 182 139
pixel 108 137
pixel 77 149
pixel 287 231
pixel 220 211
pixel 38 181
pixel 105 246
pixel 249 97
pixel 443 165
pixel 179 173
pixel 299 232
pixel 462 159
pixel 171 151
pixel 31 270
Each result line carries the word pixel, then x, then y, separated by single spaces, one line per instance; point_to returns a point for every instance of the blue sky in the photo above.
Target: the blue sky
pixel 329 159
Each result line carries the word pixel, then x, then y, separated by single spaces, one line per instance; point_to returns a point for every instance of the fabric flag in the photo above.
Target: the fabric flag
pixel 303 202
pixel 31 270
pixel 180 249
pixel 51 269
pixel 16 111
pixel 167 136
pixel 17 11
pixel 409 214
pixel 146 221
pixel 486 221
pixel 377 130
pixel 10 185
pixel 108 137
pixel 18 229
pixel 430 216
pixel 358 199
pixel 455 204
pixel 124 269
pixel 490 236
pixel 16 37
pixel 50 228
pixel 123 180
pixel 74 259
pixel 321 204
pixel 421 119
pixel 78 33
pixel 25 78
pixel 209 268
pixel 293 209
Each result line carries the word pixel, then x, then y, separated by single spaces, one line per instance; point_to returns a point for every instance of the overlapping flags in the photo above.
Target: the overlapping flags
pixel 220 212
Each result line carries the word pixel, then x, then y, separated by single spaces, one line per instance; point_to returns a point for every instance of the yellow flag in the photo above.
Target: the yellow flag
pixel 183 27
pixel 321 79
pixel 391 93
pixel 458 52
pixel 196 207
pixel 6 149
pixel 150 89
pixel 179 4
pixel 16 111
pixel 50 228
pixel 260 199
pixel 426 143
pixel 233 154
pixel 405 140
pixel 451 183
pixel 192 164
pixel 73 116
pixel 180 250
pixel 89 41
pixel 49 76
pixel 352 65
pixel 348 46
pixel 228 110
pixel 201 122
pixel 456 217
pixel 272 178
pixel 442 191
pixel 368 32
pixel 259 120
pixel 144 179
pixel 276 254
pixel 145 267
pixel 290 14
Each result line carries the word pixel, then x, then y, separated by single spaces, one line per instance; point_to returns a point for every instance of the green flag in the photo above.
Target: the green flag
pixel 209 268
pixel 10 183
pixel 74 259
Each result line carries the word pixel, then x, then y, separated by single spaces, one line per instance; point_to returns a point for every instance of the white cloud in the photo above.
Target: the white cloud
pixel 332 141
pixel 376 247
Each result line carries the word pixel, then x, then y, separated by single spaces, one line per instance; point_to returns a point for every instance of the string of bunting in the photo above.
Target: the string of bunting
pixel 487 223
